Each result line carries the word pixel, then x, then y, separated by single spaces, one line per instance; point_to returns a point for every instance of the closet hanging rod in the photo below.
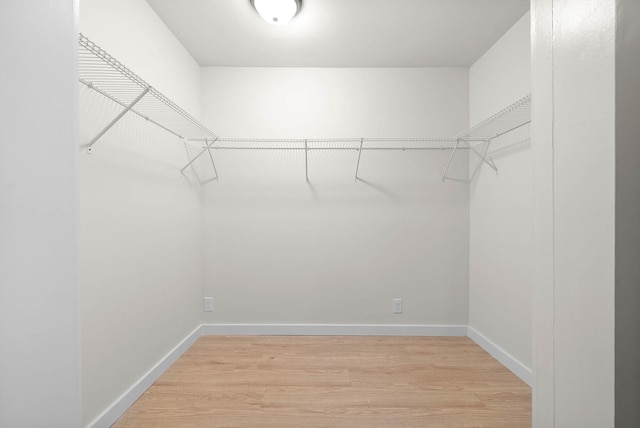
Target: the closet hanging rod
pixel 336 144
pixel 338 140
pixel 353 149
pixel 512 129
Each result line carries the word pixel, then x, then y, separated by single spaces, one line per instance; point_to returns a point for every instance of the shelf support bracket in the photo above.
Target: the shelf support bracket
pixel 213 164
pixel 483 154
pixel 117 118
pixel 306 160
pixel 359 154
pixel 453 153
pixel 200 154
pixel 485 149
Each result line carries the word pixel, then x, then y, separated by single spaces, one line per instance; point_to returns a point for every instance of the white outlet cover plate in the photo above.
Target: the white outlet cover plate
pixel 208 304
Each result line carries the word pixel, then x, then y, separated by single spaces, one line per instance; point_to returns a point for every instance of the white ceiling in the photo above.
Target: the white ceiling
pixel 341 33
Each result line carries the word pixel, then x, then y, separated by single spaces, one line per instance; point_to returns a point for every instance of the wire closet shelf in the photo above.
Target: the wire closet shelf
pixel 104 74
pixel 478 138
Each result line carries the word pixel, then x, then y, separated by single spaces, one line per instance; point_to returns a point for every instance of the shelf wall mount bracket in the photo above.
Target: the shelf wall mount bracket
pixel 306 160
pixel 117 118
pixel 359 154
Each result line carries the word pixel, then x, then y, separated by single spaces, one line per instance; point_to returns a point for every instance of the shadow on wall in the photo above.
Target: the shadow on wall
pixel 501 147
pixel 382 190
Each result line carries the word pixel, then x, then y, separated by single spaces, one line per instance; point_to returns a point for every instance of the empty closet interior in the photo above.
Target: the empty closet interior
pixel 302 199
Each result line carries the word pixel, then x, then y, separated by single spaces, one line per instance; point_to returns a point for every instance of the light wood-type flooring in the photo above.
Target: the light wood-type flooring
pixel 334 381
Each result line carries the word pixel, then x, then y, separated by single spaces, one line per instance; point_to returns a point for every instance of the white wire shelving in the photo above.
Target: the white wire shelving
pixel 358 145
pixel 478 138
pixel 101 72
pixel 104 74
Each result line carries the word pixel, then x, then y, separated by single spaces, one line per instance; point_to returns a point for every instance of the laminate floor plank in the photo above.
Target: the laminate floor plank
pixel 334 381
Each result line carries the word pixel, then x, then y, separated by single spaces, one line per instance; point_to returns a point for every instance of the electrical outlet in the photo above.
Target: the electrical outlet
pixel 208 304
pixel 397 306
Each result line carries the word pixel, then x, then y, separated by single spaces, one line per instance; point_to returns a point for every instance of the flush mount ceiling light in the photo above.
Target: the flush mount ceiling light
pixel 277 12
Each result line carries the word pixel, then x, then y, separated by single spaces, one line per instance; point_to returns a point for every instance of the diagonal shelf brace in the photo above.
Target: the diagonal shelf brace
pixel 483 154
pixel 213 164
pixel 200 154
pixel 485 149
pixel 359 154
pixel 117 118
pixel 133 110
pixel 453 153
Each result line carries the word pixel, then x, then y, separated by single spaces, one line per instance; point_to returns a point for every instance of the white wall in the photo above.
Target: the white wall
pixel 131 32
pixel 501 205
pixel 39 322
pixel 279 250
pixel 141 230
pixel 573 78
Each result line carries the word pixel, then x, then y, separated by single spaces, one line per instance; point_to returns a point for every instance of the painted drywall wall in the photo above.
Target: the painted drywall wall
pixel 131 31
pixel 141 249
pixel 627 214
pixel 501 205
pixel 573 78
pixel 332 251
pixel 39 321
pixel 543 400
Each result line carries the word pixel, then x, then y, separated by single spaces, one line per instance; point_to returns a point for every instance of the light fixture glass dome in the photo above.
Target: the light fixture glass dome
pixel 277 12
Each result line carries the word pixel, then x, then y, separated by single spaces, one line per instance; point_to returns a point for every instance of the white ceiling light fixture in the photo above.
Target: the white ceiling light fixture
pixel 278 12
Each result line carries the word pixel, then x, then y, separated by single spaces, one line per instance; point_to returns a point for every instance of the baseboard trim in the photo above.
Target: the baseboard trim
pixel 122 404
pixel 333 330
pixel 506 359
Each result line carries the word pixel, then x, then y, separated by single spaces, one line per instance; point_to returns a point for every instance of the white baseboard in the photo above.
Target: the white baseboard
pixel 333 330
pixel 507 360
pixel 120 406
